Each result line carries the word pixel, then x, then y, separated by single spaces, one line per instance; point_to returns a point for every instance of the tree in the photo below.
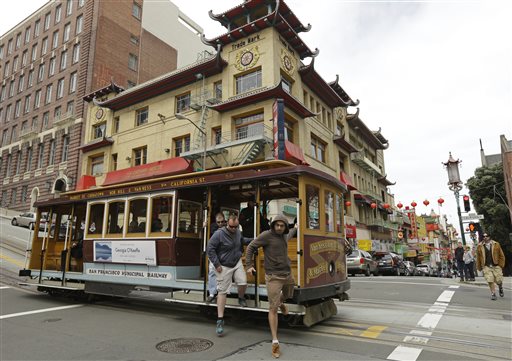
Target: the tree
pixel 487 190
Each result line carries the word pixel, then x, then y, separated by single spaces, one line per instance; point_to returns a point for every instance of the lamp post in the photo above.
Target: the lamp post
pixel 455 185
pixel 182 117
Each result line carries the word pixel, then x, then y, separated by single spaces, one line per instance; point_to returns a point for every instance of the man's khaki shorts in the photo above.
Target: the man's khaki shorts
pixel 493 274
pixel 277 284
pixel 229 274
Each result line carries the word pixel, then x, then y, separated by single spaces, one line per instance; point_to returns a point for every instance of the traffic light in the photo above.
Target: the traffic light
pixel 467 206
pixel 472 227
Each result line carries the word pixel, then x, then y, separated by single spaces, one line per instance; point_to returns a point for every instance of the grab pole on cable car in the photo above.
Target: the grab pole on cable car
pixel 43 245
pixel 299 250
pixel 257 221
pixel 64 254
pixel 206 221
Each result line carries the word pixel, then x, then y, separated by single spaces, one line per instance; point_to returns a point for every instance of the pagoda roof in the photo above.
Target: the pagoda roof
pixel 282 18
pixel 166 83
pixel 384 180
pixel 264 93
pixel 342 93
pixel 344 144
pixel 354 121
pixel 317 84
pixel 110 88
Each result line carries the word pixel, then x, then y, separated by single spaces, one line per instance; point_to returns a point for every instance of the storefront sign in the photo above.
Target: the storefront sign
pixel 364 244
pixel 350 231
pixel 133 252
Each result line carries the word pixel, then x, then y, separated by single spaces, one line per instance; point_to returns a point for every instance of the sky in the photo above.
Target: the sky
pixel 434 76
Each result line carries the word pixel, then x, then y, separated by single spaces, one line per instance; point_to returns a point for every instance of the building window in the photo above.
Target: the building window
pixel 115 128
pixel 181 144
pixel 46 119
pixel 9 47
pixel 37 28
pixel 40 74
pixel 288 130
pixel 79 24
pixel 55 40
pixel 18 162
pixel 29 159
pixel 37 99
pixel 51 157
pixel 96 165
pixel 98 130
pixel 182 103
pixel 140 156
pixel 248 81
pixel 26 109
pixel 63 60
pixel 217 135
pixel 286 84
pixel 27 35
pixel 11 88
pixel 33 55
pixel 67 32
pixel 141 116
pixel 51 66
pixel 18 41
pixel 70 108
pixel 58 13
pixel 40 155
pixel 24 58
pixel 3 93
pixel 317 149
pixel 47 19
pixel 48 94
pixel 134 39
pixel 76 53
pixel 217 90
pixel 44 46
pixel 14 196
pixel 60 88
pixel 24 191
pixel 57 113
pixel 6 69
pixel 114 161
pixel 17 109
pixel 81 3
pixel 9 163
pixel 34 123
pixel 136 10
pixel 72 82
pixel 30 78
pixel 15 64
pixel 133 61
pixel 69 7
pixel 5 136
pixel 65 148
pixel 21 83
pixel 8 113
pixel 248 126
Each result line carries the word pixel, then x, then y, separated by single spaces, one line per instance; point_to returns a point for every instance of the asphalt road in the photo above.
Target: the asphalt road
pixel 387 318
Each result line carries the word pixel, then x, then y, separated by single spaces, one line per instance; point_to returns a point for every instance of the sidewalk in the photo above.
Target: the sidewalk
pixel 480 281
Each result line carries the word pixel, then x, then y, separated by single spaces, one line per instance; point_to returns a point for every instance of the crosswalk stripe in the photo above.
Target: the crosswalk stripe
pixel 2 317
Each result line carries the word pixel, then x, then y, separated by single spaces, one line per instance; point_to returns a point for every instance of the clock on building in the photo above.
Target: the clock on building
pixel 247 58
pixel 99 113
pixel 287 61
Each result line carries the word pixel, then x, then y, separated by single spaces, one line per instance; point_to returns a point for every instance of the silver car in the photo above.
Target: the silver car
pixel 27 219
pixel 360 261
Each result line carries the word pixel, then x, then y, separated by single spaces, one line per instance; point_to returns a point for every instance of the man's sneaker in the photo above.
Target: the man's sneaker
pixel 284 309
pixel 220 327
pixel 501 292
pixel 211 298
pixel 493 297
pixel 242 302
pixel 275 350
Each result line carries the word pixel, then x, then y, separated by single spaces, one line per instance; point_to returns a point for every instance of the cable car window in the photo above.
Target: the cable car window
pixel 137 214
pixel 115 220
pixel 189 219
pixel 95 226
pixel 339 212
pixel 329 211
pixel 312 207
pixel 161 215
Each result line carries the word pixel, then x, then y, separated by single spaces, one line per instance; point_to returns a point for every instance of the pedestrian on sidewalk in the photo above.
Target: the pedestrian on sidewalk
pixel 490 259
pixel 278 273
pixel 225 250
pixel 469 264
pixel 459 257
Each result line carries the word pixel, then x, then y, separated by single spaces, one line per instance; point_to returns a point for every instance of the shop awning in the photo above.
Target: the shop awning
pixel 161 168
pixel 293 153
pixel 86 182
pixel 345 178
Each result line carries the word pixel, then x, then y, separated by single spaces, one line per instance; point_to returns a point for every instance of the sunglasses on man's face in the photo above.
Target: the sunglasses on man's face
pixel 232 227
pixel 221 222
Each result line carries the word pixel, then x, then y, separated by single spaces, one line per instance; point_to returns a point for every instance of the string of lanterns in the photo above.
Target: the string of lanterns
pixel 373 205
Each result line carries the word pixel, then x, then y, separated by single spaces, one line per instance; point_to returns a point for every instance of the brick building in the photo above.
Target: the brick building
pixel 50 60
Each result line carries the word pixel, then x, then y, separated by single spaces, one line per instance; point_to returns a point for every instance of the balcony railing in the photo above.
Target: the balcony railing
pixel 384 224
pixel 28 133
pixel 63 118
pixel 361 160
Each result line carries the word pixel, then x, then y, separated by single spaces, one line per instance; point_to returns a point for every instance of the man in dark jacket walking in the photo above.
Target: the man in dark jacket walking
pixel 225 253
pixel 278 274
pixel 459 257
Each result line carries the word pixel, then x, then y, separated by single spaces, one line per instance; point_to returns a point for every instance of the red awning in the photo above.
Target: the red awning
pixel 151 170
pixel 293 153
pixel 345 178
pixel 86 182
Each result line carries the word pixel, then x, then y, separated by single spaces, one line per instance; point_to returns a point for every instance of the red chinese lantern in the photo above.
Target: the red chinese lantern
pixel 440 201
pixel 426 202
pixel 406 208
pixel 373 205
pixel 348 203
pixel 414 204
pixel 386 205
pixel 399 205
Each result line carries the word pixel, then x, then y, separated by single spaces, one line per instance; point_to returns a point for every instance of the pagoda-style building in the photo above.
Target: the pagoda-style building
pixel 218 112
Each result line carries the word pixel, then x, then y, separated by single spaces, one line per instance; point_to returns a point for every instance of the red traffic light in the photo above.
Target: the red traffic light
pixel 466 198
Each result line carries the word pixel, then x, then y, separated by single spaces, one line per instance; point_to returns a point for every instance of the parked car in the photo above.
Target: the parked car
pixel 389 263
pixel 360 261
pixel 27 219
pixel 424 269
pixel 410 268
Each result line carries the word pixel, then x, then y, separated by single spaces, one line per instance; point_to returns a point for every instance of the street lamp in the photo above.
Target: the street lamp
pixel 182 117
pixel 455 185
